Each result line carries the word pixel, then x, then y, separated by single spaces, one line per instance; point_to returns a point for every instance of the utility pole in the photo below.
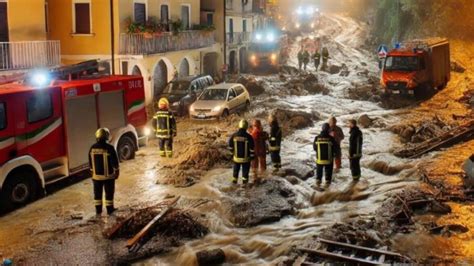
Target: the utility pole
pixel 112 37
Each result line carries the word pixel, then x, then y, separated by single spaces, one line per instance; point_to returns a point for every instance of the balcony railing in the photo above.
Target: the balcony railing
pixel 144 44
pixel 30 54
pixel 238 38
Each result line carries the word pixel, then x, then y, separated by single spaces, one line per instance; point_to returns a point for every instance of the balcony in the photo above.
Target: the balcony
pixel 146 44
pixel 31 54
pixel 238 38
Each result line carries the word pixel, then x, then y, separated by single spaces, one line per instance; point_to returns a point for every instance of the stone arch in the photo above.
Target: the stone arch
pixel 233 62
pixel 136 71
pixel 243 59
pixel 210 64
pixel 184 68
pixel 162 73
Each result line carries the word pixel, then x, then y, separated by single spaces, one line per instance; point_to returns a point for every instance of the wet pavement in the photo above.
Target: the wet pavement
pixel 61 228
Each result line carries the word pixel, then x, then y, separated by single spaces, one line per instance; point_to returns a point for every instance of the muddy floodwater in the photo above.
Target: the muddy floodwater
pixel 62 229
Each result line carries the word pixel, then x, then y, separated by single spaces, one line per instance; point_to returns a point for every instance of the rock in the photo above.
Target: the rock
pixel 294 119
pixel 407 133
pixel 457 67
pixel 211 257
pixel 292 179
pixel 364 121
pixel 302 172
pixel 334 69
pixel 253 86
pixel 258 204
pixel 468 167
pixel 285 69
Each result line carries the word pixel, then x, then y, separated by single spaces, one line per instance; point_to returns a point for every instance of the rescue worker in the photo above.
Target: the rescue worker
pixel 355 149
pixel 336 132
pixel 260 137
pixel 305 59
pixel 300 58
pixel 326 149
pixel 104 165
pixel 275 142
pixel 325 55
pixel 164 124
pixel 317 59
pixel 242 147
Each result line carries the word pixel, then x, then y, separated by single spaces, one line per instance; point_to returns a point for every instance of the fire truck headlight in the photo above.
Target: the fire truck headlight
pixel 253 58
pixel 258 36
pixel 147 131
pixel 309 11
pixel 312 25
pixel 270 37
pixel 297 25
pixel 273 57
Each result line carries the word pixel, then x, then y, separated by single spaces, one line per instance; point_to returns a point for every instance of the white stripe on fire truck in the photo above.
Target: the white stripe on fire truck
pixel 7 142
pixel 136 108
pixel 45 132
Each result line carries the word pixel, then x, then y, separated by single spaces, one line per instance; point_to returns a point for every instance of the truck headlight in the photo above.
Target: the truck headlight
pixel 297 25
pixel 217 108
pixel 147 131
pixel 312 25
pixel 273 57
pixel 253 58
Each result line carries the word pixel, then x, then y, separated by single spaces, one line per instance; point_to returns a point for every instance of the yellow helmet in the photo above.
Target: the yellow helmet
pixel 163 103
pixel 243 124
pixel 102 134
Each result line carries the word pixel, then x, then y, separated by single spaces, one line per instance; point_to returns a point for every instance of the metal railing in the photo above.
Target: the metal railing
pixel 237 38
pixel 143 44
pixel 29 54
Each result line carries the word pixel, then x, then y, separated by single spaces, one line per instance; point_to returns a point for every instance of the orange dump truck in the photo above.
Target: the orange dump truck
pixel 417 67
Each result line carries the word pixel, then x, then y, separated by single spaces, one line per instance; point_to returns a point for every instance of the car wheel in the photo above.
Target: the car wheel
pixel 126 148
pixel 225 113
pixel 247 105
pixel 19 189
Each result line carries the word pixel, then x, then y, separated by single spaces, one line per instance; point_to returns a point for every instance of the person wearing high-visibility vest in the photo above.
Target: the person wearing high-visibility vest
pixel 355 149
pixel 326 149
pixel 164 125
pixel 274 141
pixel 104 165
pixel 241 145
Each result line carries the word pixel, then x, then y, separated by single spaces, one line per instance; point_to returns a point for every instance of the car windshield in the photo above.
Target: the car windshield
pixel 214 95
pixel 264 47
pixel 402 63
pixel 177 87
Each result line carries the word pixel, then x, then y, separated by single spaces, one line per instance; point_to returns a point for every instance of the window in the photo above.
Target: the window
pixel 210 19
pixel 124 67
pixel 3 116
pixel 39 107
pixel 232 94
pixel 239 90
pixel 46 15
pixel 244 25
pixel 140 12
pixel 186 16
pixel 82 17
pixel 228 4
pixel 164 14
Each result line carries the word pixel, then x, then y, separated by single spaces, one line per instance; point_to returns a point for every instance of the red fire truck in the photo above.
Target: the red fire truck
pixel 46 132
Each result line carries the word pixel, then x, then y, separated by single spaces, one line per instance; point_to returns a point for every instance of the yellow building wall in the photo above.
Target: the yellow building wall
pixel 61 28
pixel 26 20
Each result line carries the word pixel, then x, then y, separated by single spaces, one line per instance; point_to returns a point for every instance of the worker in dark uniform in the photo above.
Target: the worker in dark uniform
pixel 300 58
pixel 242 147
pixel 275 142
pixel 355 149
pixel 317 59
pixel 164 124
pixel 305 59
pixel 104 165
pixel 325 55
pixel 326 149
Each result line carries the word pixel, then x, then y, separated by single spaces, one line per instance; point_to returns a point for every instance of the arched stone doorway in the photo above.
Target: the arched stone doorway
pixel 136 71
pixel 183 68
pixel 243 59
pixel 210 64
pixel 232 62
pixel 160 78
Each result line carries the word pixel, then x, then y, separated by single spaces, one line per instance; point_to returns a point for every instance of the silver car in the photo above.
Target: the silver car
pixel 219 101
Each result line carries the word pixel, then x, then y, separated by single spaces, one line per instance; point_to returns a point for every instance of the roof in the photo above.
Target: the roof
pixel 16 87
pixel 224 86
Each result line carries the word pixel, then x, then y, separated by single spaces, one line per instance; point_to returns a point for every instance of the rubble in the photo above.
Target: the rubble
pixel 211 257
pixel 258 204
pixel 253 86
pixel 364 121
pixel 295 120
pixel 304 84
pixel 457 67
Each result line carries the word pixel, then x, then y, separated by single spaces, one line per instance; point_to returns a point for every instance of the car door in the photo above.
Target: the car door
pixel 232 100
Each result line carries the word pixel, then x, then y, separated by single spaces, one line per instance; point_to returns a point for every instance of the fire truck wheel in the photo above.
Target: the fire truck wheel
pixel 225 113
pixel 19 189
pixel 126 148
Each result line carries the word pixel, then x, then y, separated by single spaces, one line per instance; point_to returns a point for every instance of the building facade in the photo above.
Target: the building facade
pixel 24 40
pixel 242 17
pixel 158 39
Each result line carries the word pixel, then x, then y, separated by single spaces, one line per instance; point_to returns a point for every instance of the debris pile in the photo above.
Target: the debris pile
pixel 457 67
pixel 305 84
pixel 258 204
pixel 253 86
pixel 426 130
pixel 295 120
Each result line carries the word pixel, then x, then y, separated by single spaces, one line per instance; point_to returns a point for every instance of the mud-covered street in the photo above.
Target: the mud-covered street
pixel 267 223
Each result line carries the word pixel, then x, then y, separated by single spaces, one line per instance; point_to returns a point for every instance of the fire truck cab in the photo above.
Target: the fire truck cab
pixel 46 132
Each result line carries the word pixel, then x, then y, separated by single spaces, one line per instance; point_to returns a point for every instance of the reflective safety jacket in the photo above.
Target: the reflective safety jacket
pixel 355 143
pixel 164 124
pixel 326 149
pixel 103 161
pixel 242 146
pixel 275 138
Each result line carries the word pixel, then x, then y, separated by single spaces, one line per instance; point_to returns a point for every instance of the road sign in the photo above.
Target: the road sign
pixel 382 51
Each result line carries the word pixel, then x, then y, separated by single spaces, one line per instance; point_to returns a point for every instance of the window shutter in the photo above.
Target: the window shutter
pixel 83 19
pixel 140 13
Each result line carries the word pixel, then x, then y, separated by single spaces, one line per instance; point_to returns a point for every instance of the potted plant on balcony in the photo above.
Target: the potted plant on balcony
pixel 148 29
pixel 206 28
pixel 175 26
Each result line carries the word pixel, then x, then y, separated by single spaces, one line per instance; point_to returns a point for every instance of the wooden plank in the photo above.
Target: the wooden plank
pixel 112 231
pixel 139 236
pixel 378 251
pixel 338 256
